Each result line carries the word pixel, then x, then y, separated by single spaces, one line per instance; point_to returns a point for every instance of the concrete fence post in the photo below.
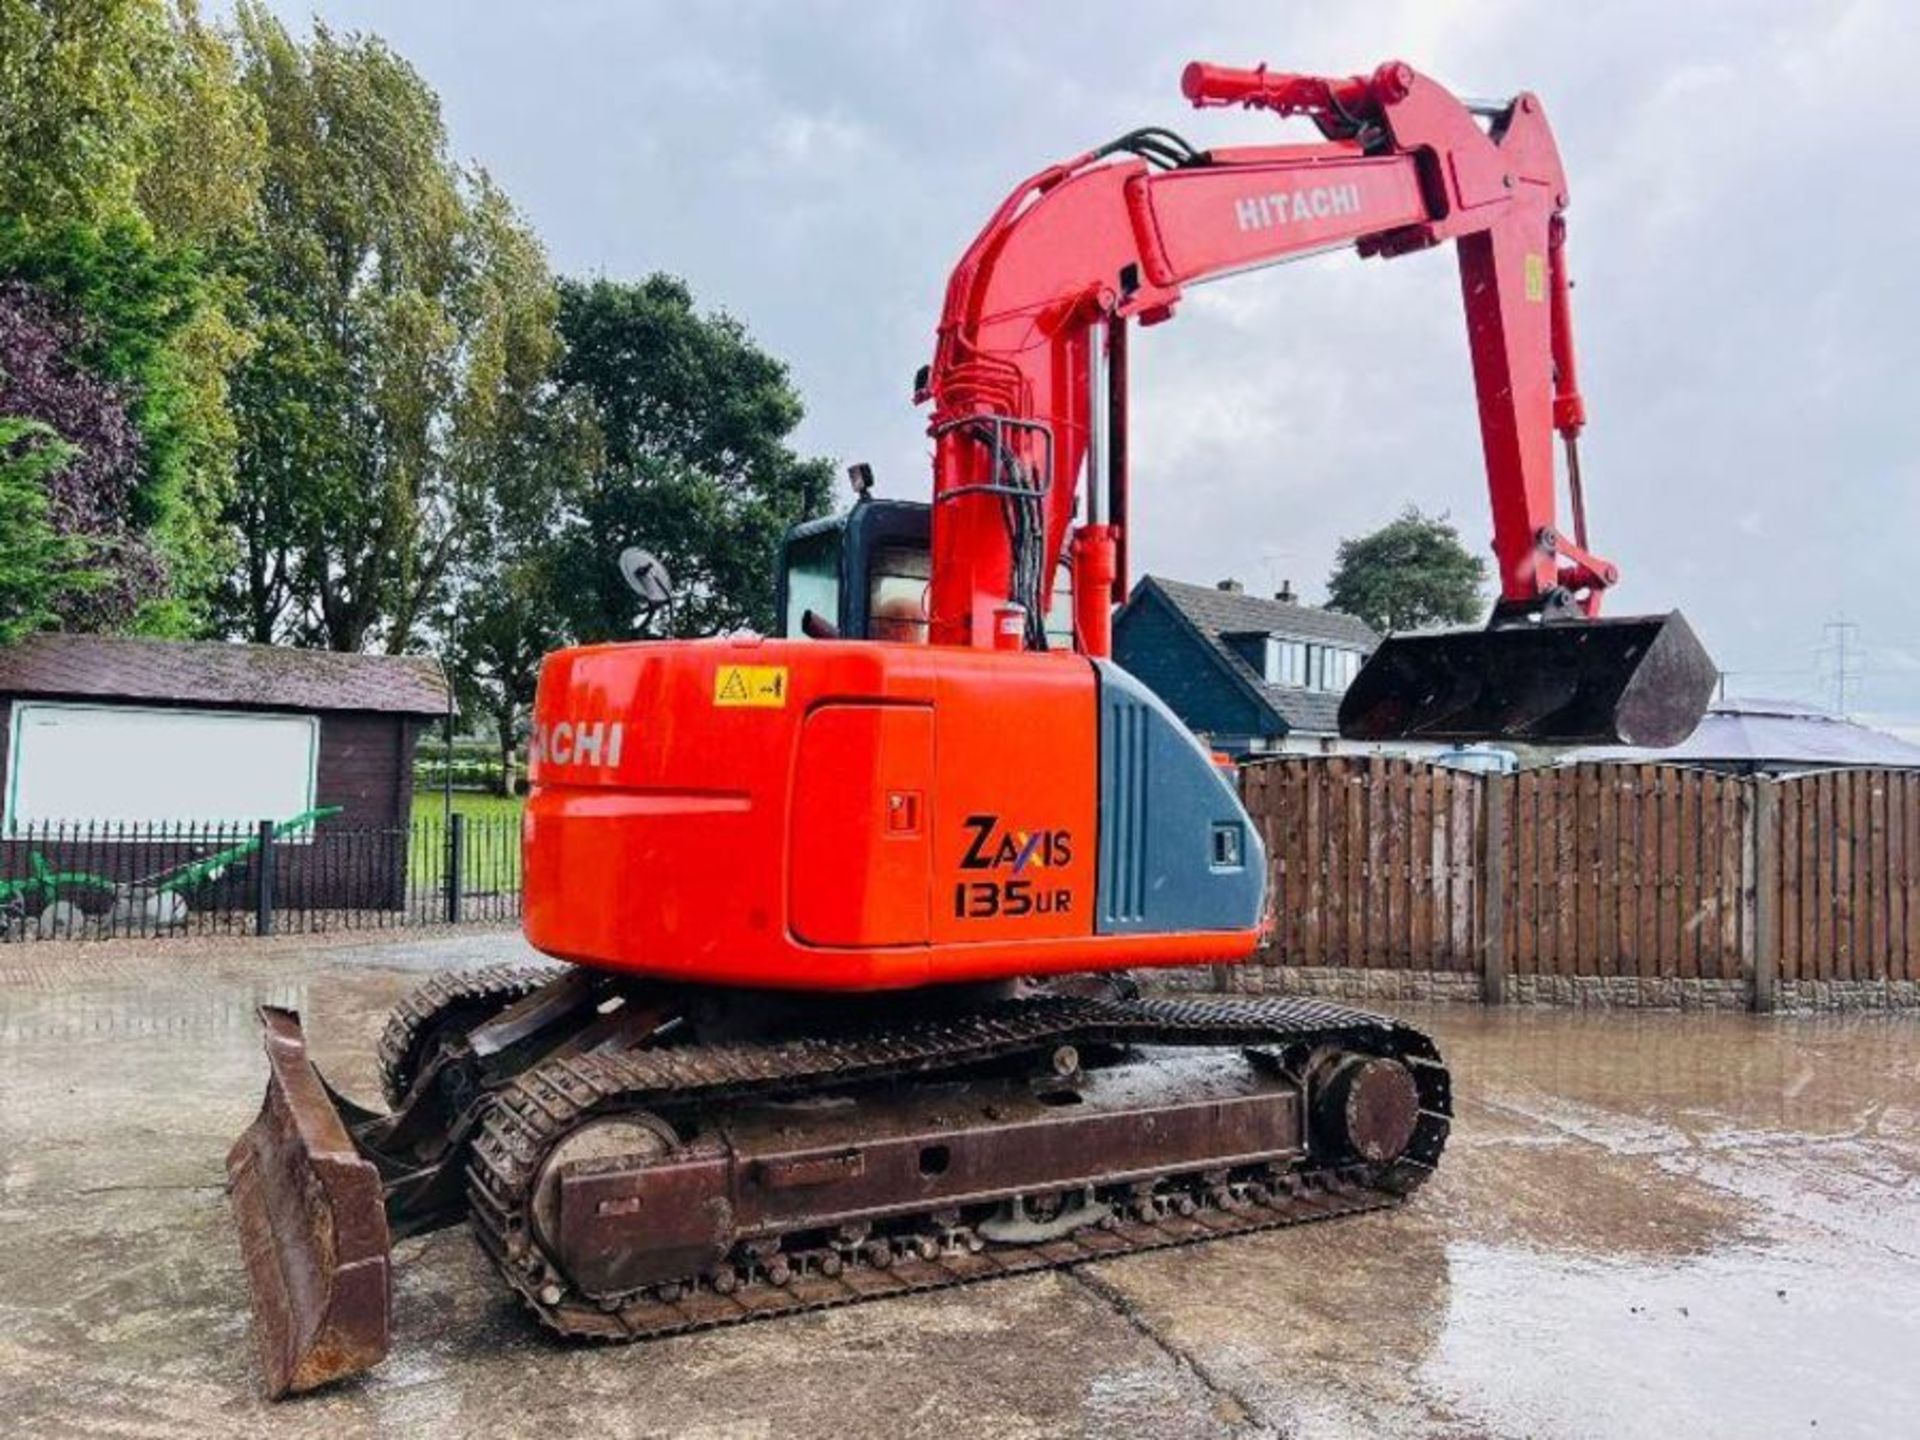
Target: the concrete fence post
pixel 1763 938
pixel 1496 806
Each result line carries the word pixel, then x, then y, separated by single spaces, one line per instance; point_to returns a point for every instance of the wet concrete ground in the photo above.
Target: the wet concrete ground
pixel 1645 1225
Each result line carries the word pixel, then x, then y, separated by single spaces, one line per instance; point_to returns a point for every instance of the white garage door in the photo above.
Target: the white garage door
pixel 72 764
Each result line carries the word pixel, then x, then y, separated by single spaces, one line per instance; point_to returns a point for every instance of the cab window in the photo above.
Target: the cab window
pixel 813 580
pixel 897 595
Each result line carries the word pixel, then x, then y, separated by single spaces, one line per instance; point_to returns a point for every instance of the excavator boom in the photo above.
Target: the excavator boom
pixel 1030 409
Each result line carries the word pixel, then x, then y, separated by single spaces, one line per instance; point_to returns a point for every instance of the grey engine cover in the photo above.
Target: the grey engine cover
pixel 1177 850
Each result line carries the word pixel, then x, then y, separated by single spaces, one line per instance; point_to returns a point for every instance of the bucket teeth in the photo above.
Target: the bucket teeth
pixel 313 1226
pixel 1639 680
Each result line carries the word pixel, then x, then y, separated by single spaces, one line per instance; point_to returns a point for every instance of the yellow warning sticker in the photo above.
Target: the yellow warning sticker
pixel 750 685
pixel 1536 277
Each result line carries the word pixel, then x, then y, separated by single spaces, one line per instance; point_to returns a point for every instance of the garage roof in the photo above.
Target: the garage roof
pixel 1777 734
pixel 216 673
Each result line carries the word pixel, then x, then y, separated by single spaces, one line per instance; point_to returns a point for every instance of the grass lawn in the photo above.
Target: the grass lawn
pixel 428 804
pixel 492 825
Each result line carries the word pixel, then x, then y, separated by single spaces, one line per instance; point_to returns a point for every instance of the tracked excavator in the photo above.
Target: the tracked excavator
pixel 845 911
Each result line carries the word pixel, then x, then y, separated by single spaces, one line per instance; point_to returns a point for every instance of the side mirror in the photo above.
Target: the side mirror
pixel 648 579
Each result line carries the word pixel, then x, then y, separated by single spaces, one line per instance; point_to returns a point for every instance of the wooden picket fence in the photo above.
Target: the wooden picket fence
pixel 1600 870
pixel 1627 870
pixel 1374 863
pixel 1846 870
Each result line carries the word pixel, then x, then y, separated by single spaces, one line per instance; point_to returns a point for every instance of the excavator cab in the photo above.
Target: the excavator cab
pixel 859 575
pixel 863 574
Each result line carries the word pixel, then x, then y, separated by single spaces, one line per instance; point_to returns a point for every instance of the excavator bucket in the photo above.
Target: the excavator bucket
pixel 1639 680
pixel 313 1227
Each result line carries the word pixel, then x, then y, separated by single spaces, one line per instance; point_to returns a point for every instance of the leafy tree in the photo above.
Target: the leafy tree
pixel 36 564
pixel 665 429
pixel 692 420
pixel 404 323
pixel 77 107
pixel 126 150
pixel 103 569
pixel 302 376
pixel 112 109
pixel 507 625
pixel 511 610
pixel 142 320
pixel 1410 573
pixel 207 143
pixel 200 193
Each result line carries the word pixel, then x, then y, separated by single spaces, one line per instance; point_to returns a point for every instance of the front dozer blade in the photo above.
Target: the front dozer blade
pixel 1638 680
pixel 313 1227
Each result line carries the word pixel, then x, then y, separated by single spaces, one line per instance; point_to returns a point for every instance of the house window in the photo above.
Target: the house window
pixel 1295 663
pixel 1341 666
pixel 113 764
pixel 1328 668
pixel 1286 662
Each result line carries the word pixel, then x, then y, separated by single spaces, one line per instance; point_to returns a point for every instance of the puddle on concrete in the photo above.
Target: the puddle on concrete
pixel 1747 1343
pixel 1604 1252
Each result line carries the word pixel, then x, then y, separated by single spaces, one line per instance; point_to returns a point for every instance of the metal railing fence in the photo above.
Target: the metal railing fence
pixel 102 880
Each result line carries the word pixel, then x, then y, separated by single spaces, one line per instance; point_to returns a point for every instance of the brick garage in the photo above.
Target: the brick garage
pixel 364 714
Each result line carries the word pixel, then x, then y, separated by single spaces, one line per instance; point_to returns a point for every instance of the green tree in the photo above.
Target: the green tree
pixel 107 568
pixel 128 154
pixel 664 429
pixel 36 564
pixel 403 318
pixel 78 110
pixel 692 420
pixel 510 609
pixel 1410 573
pixel 149 326
pixel 207 141
pixel 508 622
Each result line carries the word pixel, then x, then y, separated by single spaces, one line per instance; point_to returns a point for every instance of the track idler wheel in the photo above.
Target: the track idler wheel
pixel 620 1204
pixel 1365 1106
pixel 442 1010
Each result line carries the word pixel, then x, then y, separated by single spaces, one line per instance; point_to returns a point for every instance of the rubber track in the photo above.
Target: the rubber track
pixel 534 1111
pixel 494 985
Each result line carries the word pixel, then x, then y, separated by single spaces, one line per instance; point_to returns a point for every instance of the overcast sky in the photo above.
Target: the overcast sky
pixel 1744 234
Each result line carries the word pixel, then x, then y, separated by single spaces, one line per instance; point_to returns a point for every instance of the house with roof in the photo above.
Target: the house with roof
pixel 1250 674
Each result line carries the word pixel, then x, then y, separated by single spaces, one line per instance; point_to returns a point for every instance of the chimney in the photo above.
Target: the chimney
pixel 1285 593
pixel 1231 586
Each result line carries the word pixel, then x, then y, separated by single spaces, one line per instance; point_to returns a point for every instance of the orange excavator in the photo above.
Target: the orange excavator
pixel 846 913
